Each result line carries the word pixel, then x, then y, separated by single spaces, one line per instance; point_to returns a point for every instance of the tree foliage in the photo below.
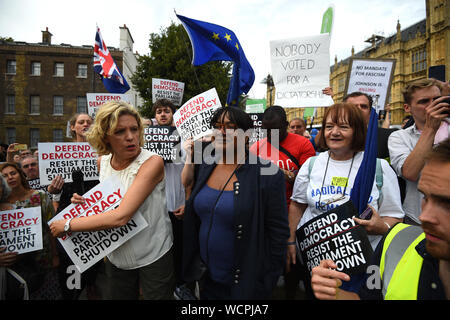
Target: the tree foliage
pixel 170 58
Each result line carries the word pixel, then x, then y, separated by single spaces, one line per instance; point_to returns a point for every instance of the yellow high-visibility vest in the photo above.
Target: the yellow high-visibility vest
pixel 400 263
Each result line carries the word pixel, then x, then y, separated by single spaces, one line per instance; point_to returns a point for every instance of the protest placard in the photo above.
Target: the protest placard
pixel 335 235
pixel 163 140
pixel 21 230
pixel 373 77
pixel 257 133
pixel 86 248
pixel 192 118
pixel 167 89
pixel 95 100
pixel 62 158
pixel 255 105
pixel 300 71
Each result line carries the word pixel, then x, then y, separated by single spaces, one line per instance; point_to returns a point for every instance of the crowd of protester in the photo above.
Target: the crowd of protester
pixel 223 230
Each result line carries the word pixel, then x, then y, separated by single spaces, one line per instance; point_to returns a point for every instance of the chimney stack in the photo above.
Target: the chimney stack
pixel 46 36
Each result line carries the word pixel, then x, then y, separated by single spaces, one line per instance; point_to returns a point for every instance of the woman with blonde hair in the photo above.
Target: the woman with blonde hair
pixel 144 261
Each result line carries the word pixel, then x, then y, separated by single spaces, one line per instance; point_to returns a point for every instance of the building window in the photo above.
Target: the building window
pixel 58 135
pixel 35 102
pixel 81 105
pixel 59 69
pixel 419 60
pixel 58 105
pixel 11 66
pixel 35 68
pixel 10 104
pixel 82 70
pixel 10 135
pixel 34 137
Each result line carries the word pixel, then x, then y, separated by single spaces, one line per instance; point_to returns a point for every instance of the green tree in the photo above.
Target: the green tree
pixel 170 58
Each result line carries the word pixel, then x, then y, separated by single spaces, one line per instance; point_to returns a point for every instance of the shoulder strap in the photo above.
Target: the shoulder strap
pixel 294 160
pixel 379 181
pixel 311 164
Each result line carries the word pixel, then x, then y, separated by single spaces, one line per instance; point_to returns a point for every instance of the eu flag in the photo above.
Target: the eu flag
pixel 104 64
pixel 363 184
pixel 211 42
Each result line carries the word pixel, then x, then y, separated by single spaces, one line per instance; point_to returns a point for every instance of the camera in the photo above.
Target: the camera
pixel 447 110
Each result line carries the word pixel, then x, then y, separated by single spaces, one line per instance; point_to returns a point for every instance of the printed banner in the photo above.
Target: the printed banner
pixel 193 118
pixel 257 131
pixel 162 140
pixel 95 100
pixel 373 77
pixel 301 70
pixel 335 235
pixel 255 105
pixel 62 158
pixel 21 230
pixel 86 248
pixel 167 89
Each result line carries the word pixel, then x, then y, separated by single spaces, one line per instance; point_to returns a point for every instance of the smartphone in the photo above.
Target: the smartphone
pixel 366 214
pixel 20 147
pixel 446 111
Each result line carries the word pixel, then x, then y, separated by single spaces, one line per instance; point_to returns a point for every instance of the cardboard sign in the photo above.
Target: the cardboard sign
pixel 163 140
pixel 86 248
pixel 335 235
pixel 21 230
pixel 193 118
pixel 95 100
pixel 167 89
pixel 62 158
pixel 255 105
pixel 373 77
pixel 300 70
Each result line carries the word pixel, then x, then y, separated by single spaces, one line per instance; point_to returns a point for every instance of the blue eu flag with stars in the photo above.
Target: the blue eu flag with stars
pixel 211 42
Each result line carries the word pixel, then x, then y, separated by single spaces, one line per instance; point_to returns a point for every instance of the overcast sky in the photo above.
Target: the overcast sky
pixel 255 22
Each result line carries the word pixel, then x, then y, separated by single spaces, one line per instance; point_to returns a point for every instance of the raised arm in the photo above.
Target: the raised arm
pixel 149 175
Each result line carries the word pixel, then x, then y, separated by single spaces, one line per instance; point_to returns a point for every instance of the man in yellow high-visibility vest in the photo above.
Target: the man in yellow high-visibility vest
pixel 410 262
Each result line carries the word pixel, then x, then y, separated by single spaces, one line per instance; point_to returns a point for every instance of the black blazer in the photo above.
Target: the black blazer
pixel 261 229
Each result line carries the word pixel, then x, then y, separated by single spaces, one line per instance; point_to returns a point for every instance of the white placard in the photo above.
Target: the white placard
pixel 21 230
pixel 193 118
pixel 62 158
pixel 95 100
pixel 373 77
pixel 301 70
pixel 86 248
pixel 167 89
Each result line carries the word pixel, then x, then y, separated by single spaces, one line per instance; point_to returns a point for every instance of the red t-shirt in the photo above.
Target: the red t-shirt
pixel 298 146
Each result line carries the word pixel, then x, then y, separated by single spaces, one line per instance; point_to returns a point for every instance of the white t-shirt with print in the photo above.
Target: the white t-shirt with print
pixel 309 189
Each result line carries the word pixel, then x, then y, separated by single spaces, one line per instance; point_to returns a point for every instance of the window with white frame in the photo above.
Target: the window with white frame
pixel 82 70
pixel 58 105
pixel 10 104
pixel 35 68
pixel 34 137
pixel 11 66
pixel 10 135
pixel 419 60
pixel 59 69
pixel 58 135
pixel 35 102
pixel 81 105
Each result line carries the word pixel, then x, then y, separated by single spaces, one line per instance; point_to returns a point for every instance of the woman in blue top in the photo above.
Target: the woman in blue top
pixel 235 223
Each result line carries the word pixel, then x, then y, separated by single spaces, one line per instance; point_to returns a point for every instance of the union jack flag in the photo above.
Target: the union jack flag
pixel 104 65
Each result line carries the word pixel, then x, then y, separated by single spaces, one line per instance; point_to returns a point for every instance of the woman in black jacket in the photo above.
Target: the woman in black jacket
pixel 236 223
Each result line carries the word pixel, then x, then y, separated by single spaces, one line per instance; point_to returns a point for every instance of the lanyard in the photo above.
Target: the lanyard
pixel 334 199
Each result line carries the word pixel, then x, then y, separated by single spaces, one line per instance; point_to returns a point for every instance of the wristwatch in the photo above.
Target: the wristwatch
pixel 67 225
